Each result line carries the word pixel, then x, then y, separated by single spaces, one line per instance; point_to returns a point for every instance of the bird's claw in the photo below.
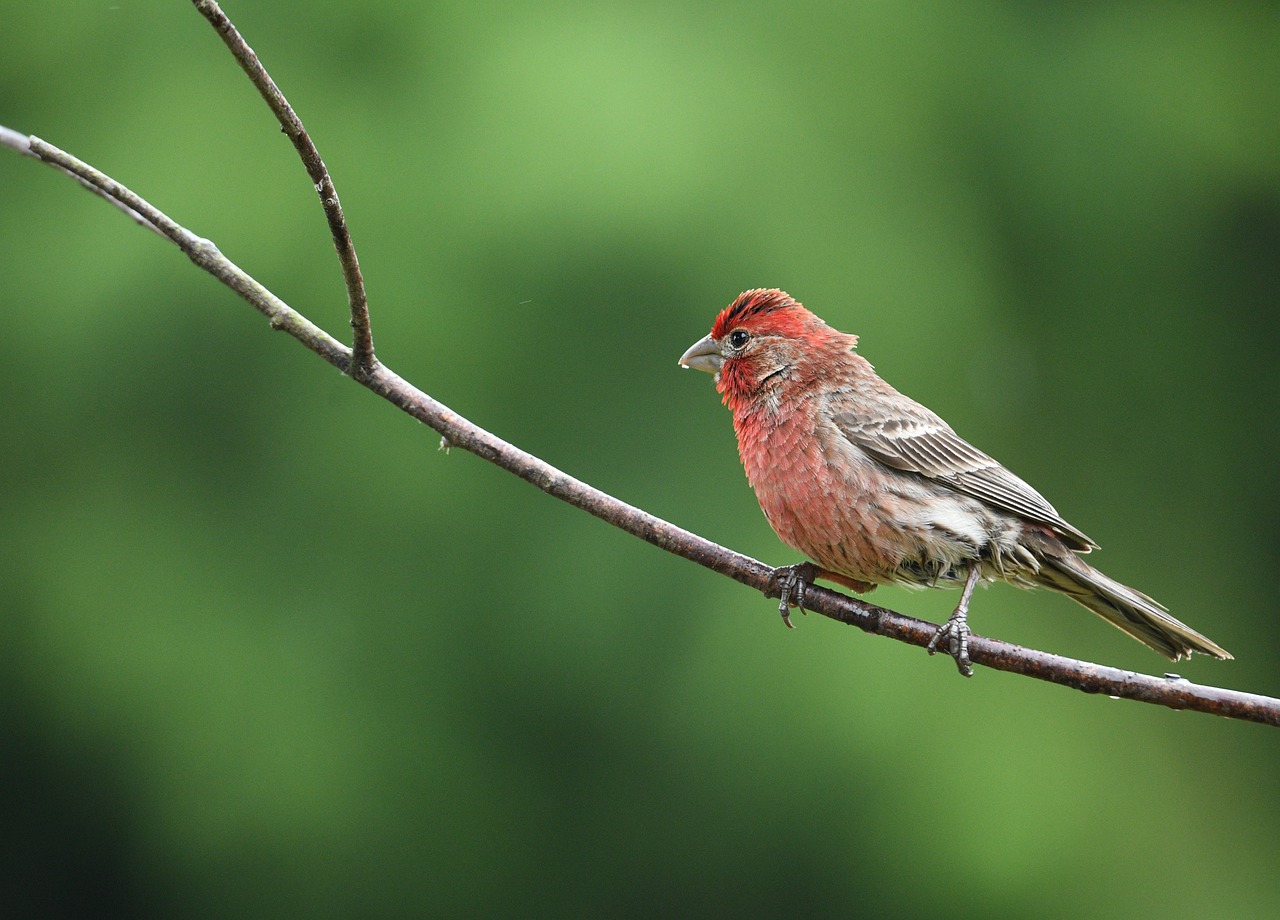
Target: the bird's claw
pixel 793 581
pixel 956 634
pixel 956 630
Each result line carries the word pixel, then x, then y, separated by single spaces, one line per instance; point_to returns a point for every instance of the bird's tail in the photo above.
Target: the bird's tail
pixel 1138 615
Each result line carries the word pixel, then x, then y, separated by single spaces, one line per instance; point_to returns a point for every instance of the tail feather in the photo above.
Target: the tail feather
pixel 1132 611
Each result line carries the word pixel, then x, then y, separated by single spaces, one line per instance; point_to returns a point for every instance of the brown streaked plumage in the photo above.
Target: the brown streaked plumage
pixel 877 489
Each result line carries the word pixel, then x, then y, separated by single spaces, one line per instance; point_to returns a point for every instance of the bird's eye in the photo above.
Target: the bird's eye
pixel 739 337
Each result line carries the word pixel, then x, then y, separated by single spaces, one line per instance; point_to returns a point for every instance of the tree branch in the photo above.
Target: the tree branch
pixel 22 144
pixel 292 125
pixel 1170 690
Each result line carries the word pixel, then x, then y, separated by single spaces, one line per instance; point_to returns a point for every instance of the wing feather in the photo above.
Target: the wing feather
pixel 926 445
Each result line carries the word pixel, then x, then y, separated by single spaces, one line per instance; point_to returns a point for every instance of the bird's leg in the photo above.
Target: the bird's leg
pixel 793 581
pixel 956 629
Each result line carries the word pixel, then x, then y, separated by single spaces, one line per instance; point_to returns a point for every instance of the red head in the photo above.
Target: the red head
pixel 762 341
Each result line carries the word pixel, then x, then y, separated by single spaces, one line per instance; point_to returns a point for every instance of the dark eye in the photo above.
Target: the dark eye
pixel 738 338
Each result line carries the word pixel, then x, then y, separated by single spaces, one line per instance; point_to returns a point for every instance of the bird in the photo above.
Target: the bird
pixel 876 489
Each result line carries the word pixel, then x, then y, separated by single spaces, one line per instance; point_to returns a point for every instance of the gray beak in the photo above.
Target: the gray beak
pixel 703 355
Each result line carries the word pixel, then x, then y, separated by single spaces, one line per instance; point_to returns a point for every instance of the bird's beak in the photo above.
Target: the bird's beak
pixel 703 355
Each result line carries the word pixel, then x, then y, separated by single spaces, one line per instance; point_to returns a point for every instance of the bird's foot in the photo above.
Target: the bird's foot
pixel 956 630
pixel 793 581
pixel 955 633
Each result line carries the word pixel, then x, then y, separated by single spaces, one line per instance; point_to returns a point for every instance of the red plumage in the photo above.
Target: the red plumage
pixel 877 489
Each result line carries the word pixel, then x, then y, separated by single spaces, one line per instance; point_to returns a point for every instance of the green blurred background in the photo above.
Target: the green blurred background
pixel 266 652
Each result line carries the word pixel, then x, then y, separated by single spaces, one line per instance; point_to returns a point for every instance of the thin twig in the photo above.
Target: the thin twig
pixel 201 251
pixel 22 143
pixel 1170 690
pixel 293 127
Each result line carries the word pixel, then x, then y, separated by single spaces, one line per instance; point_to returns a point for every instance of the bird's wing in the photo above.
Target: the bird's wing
pixel 924 444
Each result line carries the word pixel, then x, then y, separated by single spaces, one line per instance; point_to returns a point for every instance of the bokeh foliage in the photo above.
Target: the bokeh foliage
pixel 266 652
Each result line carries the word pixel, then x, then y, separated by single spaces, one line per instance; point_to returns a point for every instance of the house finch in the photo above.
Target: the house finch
pixel 876 489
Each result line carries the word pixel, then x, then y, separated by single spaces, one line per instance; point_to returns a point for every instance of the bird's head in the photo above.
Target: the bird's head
pixel 763 341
